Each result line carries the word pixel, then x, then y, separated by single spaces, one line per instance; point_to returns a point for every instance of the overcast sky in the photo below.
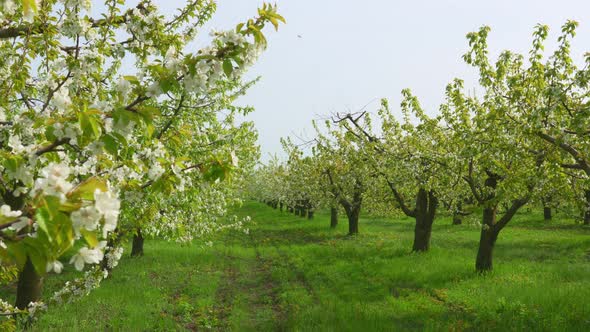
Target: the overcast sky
pixel 338 55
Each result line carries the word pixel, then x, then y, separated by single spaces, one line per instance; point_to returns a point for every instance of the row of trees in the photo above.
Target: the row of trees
pixel 92 149
pixel 525 140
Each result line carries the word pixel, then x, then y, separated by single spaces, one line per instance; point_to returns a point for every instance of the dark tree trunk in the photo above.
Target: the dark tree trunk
pixel 426 204
pixel 547 213
pixel 487 240
pixel 333 217
pixel 546 208
pixel 281 206
pixel 353 220
pixel 297 210
pixel 29 286
pixel 353 209
pixel 422 232
pixel 457 218
pixel 137 247
pixel 484 253
pixel 310 214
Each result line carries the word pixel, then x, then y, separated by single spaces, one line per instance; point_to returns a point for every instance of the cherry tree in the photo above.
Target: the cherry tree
pixel 550 101
pixel 410 159
pixel 82 136
pixel 343 171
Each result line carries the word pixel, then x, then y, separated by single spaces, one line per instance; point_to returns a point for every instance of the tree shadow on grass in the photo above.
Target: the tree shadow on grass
pixel 540 251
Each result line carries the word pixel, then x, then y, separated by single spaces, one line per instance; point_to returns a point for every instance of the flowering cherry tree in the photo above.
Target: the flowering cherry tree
pixel 409 159
pixel 83 137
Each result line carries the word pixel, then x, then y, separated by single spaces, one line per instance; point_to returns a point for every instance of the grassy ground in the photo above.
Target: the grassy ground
pixel 298 275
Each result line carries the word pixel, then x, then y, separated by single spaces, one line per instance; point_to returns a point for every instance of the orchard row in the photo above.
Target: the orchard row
pixel 524 140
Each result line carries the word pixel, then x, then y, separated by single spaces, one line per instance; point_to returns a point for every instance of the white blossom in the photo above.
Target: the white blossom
pixel 86 256
pixel 7 212
pixel 86 218
pixel 56 266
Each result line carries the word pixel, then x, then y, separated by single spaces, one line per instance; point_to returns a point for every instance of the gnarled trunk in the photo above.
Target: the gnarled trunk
pixel 426 204
pixel 422 232
pixel 29 286
pixel 487 240
pixel 333 217
pixel 353 209
pixel 353 219
pixel 137 246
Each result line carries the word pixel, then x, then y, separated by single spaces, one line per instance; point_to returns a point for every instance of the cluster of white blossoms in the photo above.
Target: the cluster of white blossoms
pixel 109 206
pixel 113 255
pixel 7 212
pixel 87 218
pixel 32 309
pixel 53 181
pixel 88 256
pixel 80 286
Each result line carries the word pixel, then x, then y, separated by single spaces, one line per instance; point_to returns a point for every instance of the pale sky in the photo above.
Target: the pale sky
pixel 352 53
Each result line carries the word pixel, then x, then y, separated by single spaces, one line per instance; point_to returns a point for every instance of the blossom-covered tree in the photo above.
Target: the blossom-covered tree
pixel 409 157
pixel 83 136
pixel 343 170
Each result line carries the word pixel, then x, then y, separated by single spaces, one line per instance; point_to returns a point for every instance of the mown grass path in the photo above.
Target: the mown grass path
pixel 292 274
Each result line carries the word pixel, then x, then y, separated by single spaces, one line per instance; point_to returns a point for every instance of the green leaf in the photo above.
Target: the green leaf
pixel 43 219
pixel 29 5
pixel 86 189
pixel 36 252
pixel 90 238
pixel 110 145
pixel 227 67
pixel 89 125
pixel 18 252
pixel 131 78
pixel 70 206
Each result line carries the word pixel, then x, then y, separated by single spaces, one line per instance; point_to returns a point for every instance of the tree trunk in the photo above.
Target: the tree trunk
pixel 425 210
pixel 310 214
pixel 297 211
pixel 353 220
pixel 333 217
pixel 457 218
pixel 281 206
pixel 29 286
pixel 547 213
pixel 487 240
pixel 303 213
pixel 137 247
pixel 422 232
pixel 546 207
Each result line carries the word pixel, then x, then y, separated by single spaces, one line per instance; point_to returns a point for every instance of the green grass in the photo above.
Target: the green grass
pixel 298 275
